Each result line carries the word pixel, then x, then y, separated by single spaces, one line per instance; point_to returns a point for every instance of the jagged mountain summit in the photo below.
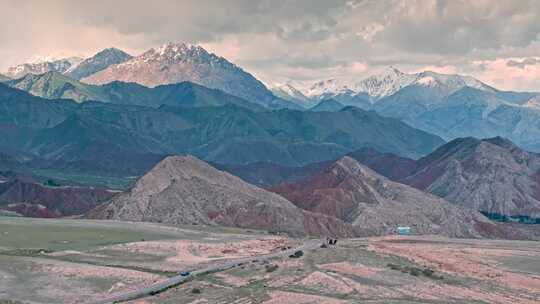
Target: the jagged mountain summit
pixel 386 83
pixel 178 62
pixel 43 66
pixel 390 81
pixel 186 190
pixel 374 204
pixel 98 62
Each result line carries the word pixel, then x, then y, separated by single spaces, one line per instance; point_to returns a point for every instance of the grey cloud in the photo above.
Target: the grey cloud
pixel 522 64
pixel 272 36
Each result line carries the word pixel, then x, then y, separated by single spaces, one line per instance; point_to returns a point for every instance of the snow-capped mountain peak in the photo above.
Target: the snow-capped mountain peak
pixel 98 62
pixel 329 86
pixel 178 62
pixel 386 83
pixel 288 91
pixel 181 52
pixel 391 80
pixel 447 84
pixel 42 65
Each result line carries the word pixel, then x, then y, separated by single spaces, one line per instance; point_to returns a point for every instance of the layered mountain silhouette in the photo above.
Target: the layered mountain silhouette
pixel 66 130
pixel 450 106
pixel 53 85
pixel 493 175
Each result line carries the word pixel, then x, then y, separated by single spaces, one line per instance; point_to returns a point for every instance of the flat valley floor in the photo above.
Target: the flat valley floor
pixel 81 261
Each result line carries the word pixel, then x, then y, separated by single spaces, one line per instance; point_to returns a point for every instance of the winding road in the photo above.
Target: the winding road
pixel 179 279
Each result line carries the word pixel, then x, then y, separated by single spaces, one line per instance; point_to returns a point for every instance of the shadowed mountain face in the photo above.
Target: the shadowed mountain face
pixel 359 196
pixel 35 200
pixel 92 131
pixel 185 190
pixel 53 85
pixel 267 174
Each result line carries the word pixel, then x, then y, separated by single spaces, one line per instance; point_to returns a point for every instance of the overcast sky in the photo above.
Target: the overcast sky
pixel 495 41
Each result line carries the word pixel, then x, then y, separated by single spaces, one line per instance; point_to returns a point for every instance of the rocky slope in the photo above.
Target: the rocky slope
pixel 490 175
pixel 185 190
pixel 98 62
pixel 42 66
pixel 36 200
pixel 359 196
pixel 178 62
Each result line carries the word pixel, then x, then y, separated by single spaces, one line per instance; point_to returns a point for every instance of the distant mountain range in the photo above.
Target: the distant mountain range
pixel 104 132
pixel 53 85
pixel 450 106
pixel 169 64
pixel 43 66
pixel 179 62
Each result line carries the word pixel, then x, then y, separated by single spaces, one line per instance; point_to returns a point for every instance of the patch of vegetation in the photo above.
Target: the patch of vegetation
pixel 51 183
pixel 271 268
pixel 25 252
pixel 196 291
pixel 522 219
pixel 67 178
pixel 297 254
pixel 416 271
